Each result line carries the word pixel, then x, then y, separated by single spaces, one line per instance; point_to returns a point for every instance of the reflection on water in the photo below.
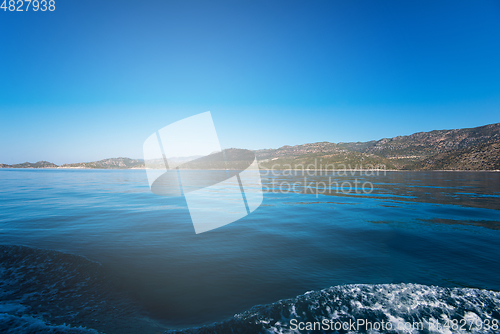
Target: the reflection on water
pixel 476 189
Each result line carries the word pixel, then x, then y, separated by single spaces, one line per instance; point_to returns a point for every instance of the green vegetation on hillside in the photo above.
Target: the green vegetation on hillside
pixel 39 164
pixel 464 149
pixel 322 161
pixel 459 149
pixel 114 163
pixel 483 157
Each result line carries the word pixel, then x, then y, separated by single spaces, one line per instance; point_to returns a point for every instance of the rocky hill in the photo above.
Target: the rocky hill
pixel 422 145
pixel 329 161
pixel 113 163
pixel 299 150
pixel 483 157
pixel 402 152
pixel 39 164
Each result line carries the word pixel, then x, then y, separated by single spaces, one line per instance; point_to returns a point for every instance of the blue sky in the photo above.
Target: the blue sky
pixel 94 79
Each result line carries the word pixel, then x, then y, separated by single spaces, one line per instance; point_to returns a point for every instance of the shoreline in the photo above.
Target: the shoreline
pixel 275 170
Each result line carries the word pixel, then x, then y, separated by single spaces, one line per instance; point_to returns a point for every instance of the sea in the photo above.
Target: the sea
pixel 95 251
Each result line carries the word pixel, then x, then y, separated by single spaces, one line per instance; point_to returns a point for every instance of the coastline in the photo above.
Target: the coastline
pixel 278 170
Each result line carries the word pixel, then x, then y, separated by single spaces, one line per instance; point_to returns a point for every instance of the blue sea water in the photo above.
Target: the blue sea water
pixel 96 251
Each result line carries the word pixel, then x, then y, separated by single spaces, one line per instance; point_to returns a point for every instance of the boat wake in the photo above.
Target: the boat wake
pixel 365 308
pixel 48 291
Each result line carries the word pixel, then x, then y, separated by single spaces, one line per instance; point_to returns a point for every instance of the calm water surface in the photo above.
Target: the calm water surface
pixel 432 228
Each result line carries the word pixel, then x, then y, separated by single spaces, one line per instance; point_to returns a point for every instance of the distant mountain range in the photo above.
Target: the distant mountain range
pixel 459 149
pixel 113 163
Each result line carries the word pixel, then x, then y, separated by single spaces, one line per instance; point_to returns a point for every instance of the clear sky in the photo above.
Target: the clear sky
pixel 94 79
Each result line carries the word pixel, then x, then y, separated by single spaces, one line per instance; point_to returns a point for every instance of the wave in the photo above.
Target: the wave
pixel 49 291
pixel 44 291
pixel 28 324
pixel 365 308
